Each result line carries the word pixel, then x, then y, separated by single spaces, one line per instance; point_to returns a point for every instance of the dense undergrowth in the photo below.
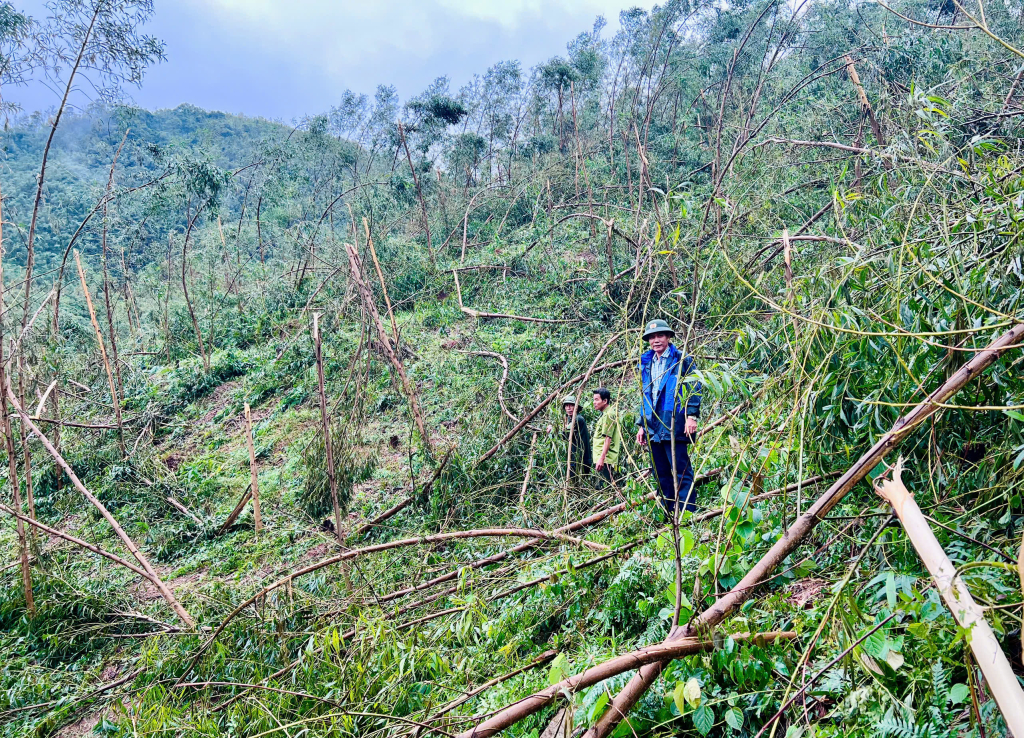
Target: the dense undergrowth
pixel 731 124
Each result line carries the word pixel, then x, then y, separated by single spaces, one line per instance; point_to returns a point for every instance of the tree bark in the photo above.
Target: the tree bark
pixel 635 659
pixel 325 419
pixel 371 308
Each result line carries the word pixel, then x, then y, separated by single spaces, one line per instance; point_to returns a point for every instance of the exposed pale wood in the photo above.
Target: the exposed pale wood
pixel 103 353
pixel 177 505
pixel 864 104
pixel 968 614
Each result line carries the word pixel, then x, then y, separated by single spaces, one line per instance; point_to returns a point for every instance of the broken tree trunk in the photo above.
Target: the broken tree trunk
pixel 325 419
pixel 103 353
pixel 864 104
pixel 125 539
pixel 626 662
pixel 987 652
pixel 246 496
pixel 371 308
pixel 760 572
pixel 393 511
pixel 726 604
pixel 252 471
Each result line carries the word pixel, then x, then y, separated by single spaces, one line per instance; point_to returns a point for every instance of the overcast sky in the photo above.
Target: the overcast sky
pixel 284 59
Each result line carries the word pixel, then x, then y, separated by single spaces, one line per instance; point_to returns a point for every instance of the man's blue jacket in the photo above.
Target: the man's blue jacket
pixel 658 404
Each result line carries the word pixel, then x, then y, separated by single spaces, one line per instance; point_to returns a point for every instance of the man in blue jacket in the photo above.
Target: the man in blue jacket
pixel 669 409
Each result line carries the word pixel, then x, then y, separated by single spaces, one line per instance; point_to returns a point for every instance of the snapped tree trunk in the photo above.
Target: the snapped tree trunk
pixel 987 652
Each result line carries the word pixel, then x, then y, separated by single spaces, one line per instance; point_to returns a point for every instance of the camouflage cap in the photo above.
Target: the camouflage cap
pixel 568 400
pixel 657 326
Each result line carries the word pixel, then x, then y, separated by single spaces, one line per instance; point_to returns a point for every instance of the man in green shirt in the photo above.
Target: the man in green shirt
pixel 607 436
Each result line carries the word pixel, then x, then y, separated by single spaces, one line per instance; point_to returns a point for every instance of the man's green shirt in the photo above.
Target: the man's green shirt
pixel 608 427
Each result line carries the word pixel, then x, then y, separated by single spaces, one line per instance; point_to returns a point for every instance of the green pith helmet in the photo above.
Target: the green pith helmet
pixel 657 326
pixel 568 400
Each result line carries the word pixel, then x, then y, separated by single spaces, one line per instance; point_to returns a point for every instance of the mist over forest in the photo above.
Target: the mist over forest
pixel 300 425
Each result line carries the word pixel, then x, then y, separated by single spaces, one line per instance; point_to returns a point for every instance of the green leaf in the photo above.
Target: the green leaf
pixel 686 544
pixel 875 644
pixel 598 708
pixel 1015 415
pixel 559 669
pixel 734 717
pixel 890 589
pixel 703 719
pixel 958 693
pixel 691 692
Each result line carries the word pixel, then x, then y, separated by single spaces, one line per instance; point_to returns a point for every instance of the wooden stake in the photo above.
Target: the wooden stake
pixel 252 470
pixel 103 353
pixel 990 657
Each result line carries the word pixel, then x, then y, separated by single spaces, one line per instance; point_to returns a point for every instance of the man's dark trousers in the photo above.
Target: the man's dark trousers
pixel 662 453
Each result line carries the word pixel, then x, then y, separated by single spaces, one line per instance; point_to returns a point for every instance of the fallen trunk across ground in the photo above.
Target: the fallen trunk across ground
pixel 987 652
pixel 726 604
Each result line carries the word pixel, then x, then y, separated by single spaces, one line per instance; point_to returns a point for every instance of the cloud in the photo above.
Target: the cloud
pixel 287 58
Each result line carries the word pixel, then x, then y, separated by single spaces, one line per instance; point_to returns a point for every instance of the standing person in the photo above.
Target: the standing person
pixel 581 463
pixel 669 409
pixel 607 436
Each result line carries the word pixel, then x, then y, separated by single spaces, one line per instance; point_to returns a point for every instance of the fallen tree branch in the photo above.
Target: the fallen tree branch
pixel 358 552
pixel 625 548
pixel 539 661
pixel 478 314
pixel 761 571
pixel 501 382
pixel 164 590
pixel 729 602
pixel 77 541
pixel 356 268
pixel 391 512
pixel 626 662
pixel 987 652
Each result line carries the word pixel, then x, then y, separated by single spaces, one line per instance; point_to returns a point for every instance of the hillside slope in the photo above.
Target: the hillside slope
pixel 826 204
